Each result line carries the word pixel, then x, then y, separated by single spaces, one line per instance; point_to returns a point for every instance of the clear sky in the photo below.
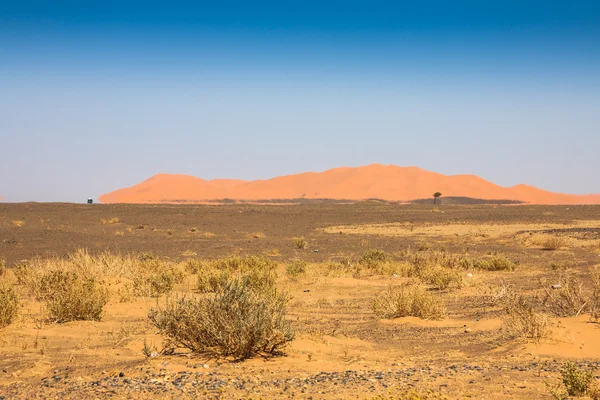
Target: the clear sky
pixel 98 95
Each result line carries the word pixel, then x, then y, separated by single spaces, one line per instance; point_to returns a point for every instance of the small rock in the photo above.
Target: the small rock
pixel 121 374
pixel 556 286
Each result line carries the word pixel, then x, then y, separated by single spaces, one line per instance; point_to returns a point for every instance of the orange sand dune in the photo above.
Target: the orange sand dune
pixel 386 182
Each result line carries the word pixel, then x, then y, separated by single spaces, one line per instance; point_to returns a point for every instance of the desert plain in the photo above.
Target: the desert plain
pixel 510 305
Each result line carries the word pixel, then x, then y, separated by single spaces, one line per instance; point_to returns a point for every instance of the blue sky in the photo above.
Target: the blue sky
pixel 95 96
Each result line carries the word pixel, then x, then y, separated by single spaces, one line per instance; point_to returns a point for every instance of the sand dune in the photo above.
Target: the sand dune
pixel 386 182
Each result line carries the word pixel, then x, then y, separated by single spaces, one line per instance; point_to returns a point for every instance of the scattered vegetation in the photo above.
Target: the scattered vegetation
pixel 239 321
pixel 408 300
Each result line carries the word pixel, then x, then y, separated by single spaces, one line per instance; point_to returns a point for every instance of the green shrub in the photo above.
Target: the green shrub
pixel 577 381
pixel 238 321
pixel 9 305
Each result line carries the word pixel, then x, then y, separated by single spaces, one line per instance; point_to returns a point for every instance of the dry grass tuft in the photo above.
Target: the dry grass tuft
pixel 553 243
pixel 301 243
pixel 238 321
pixel 18 223
pixel 296 268
pixel 373 258
pixel 490 263
pixel 258 270
pixel 522 320
pixel 9 305
pixel 408 300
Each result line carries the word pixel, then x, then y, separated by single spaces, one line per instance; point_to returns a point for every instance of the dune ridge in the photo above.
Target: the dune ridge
pixel 385 182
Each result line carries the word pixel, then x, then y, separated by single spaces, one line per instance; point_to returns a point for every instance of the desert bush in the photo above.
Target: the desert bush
pixel 427 259
pixel 522 320
pixel 259 271
pixel 408 300
pixel 237 321
pixel 442 278
pixel 300 243
pixel 490 263
pixel 69 297
pixel 372 258
pixel 577 382
pixel 243 264
pixel 423 245
pixel 595 296
pixel 553 242
pixel 9 305
pixel 195 265
pixel 296 268
pixel 154 284
pixel 212 280
pixel 568 299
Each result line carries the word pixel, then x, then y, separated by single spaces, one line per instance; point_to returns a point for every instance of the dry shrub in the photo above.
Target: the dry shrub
pixel 114 220
pixel 212 280
pixel 18 223
pixel 489 263
pixel 595 296
pixel 408 300
pixel 568 300
pixel 154 284
pixel 551 242
pixel 3 269
pixel 296 268
pixel 258 270
pixel 195 265
pixel 373 258
pixel 70 297
pixel 342 267
pixel 522 320
pixel 301 243
pixel 237 321
pixel 442 278
pixel 9 305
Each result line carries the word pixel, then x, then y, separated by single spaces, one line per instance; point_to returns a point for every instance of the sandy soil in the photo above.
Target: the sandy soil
pixel 341 350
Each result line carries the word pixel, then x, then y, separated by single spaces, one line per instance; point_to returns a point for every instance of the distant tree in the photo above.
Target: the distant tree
pixel 435 196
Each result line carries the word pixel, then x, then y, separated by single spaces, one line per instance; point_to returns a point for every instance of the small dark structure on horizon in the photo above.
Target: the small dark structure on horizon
pixel 90 201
